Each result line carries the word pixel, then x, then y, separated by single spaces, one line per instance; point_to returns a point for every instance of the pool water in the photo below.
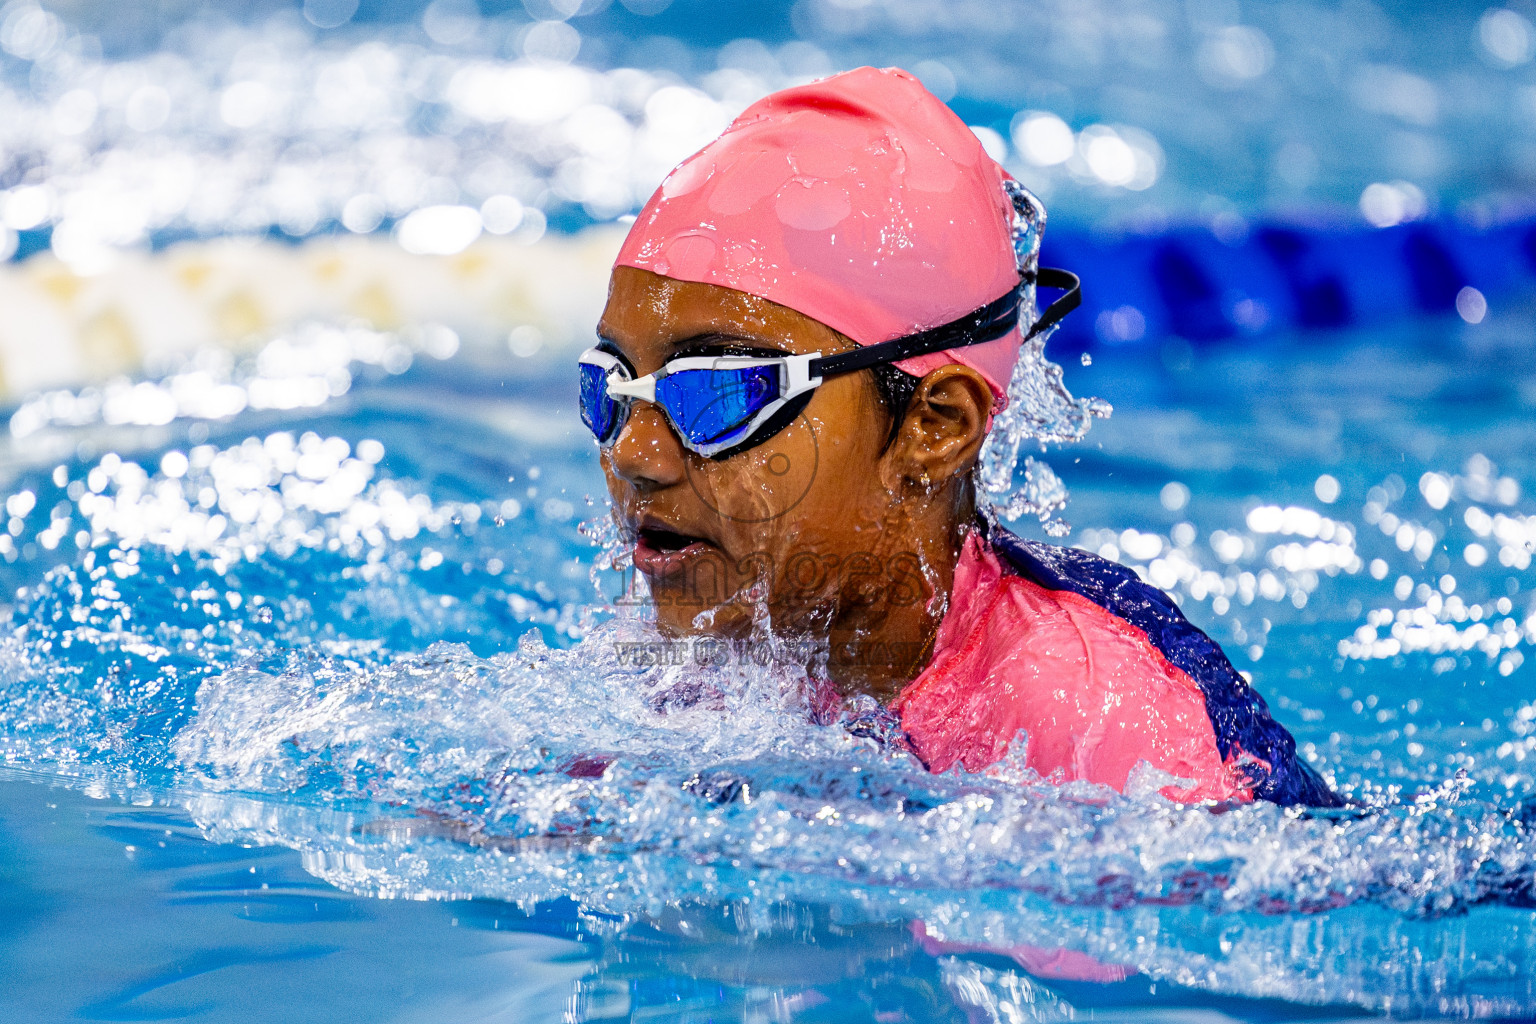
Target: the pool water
pixel 314 698
pixel 320 705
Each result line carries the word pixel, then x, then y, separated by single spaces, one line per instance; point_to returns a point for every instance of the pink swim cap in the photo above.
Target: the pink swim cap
pixel 860 200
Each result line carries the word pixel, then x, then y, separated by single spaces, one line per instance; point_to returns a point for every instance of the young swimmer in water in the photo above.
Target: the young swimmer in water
pixel 808 331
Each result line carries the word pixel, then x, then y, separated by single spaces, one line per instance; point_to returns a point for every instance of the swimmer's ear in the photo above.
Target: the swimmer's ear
pixel 942 431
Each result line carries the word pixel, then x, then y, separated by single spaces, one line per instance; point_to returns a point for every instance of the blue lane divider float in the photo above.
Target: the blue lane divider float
pixel 29 243
pixel 1187 282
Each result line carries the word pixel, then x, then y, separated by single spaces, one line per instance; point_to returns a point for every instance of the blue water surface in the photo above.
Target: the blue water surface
pixel 355 652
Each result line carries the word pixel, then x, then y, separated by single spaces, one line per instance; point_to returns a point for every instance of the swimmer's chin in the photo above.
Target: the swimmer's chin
pixel 726 621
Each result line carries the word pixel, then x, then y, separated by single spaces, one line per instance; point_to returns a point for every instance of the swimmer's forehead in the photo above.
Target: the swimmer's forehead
pixel 661 317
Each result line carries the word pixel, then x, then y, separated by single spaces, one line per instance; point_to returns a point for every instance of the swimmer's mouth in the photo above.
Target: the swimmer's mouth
pixel 665 540
pixel 660 550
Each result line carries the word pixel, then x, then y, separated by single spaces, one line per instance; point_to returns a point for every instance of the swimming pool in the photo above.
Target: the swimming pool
pixel 271 667
pixel 312 702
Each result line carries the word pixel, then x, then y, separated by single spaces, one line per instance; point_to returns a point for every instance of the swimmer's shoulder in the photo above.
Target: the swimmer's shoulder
pixel 1244 727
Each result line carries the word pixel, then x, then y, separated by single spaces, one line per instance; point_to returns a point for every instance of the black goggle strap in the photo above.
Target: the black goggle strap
pixel 988 323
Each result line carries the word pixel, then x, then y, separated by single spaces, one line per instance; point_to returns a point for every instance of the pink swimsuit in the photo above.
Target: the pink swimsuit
pixel 1102 673
pixel 1095 697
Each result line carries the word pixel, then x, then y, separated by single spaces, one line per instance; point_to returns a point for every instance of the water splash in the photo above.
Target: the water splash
pixel 613 553
pixel 1040 407
pixel 612 743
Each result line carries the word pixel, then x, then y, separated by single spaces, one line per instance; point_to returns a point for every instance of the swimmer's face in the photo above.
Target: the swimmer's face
pixel 815 521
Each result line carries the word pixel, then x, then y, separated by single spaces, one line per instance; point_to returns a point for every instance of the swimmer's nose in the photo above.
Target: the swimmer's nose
pixel 646 453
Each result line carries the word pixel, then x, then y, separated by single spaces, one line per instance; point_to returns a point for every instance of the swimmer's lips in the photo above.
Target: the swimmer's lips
pixel 661 550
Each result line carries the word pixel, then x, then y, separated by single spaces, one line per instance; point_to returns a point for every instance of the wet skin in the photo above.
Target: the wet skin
pixel 844 539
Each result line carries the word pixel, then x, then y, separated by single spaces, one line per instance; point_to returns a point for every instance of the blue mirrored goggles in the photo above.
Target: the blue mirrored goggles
pixel 719 405
pixel 713 403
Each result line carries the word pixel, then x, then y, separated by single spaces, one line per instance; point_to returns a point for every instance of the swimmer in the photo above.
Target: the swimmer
pixel 809 329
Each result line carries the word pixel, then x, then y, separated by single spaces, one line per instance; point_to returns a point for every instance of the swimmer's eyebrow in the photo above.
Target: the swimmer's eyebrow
pixel 717 343
pixel 714 343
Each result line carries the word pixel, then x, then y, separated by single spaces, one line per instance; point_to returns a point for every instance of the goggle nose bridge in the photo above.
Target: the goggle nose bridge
pixel 643 389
